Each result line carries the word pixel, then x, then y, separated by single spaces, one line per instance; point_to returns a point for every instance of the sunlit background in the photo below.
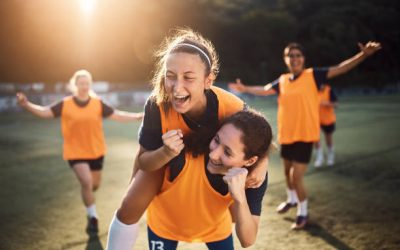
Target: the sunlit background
pixel 355 204
pixel 47 40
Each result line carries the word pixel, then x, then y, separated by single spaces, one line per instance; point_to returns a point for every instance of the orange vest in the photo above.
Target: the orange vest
pixel 298 109
pixel 326 114
pixel 189 209
pixel 82 129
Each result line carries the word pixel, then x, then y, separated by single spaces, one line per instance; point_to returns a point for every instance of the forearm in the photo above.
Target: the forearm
pixel 260 90
pixel 40 111
pixel 346 65
pixel 153 160
pixel 123 116
pixel 246 224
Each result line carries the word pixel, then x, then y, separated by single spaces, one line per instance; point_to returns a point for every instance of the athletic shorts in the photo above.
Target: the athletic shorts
pixel 297 151
pixel 328 129
pixel 94 164
pixel 157 242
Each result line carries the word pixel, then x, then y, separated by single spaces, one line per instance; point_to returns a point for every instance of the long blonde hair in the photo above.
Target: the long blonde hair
pixel 80 73
pixel 172 44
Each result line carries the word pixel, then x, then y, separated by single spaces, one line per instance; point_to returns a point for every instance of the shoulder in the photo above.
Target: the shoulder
pixel 310 70
pixel 96 98
pixel 151 104
pixel 67 98
pixel 228 103
pixel 224 95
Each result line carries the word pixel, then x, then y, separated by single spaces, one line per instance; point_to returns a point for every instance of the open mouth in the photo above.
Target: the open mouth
pixel 180 99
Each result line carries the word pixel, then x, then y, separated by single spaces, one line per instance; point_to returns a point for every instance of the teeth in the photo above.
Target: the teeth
pixel 180 96
pixel 216 164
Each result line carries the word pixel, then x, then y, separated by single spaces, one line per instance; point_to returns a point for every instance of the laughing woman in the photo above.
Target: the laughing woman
pixel 194 202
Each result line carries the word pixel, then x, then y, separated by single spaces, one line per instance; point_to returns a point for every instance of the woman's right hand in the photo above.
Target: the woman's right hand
pixel 237 86
pixel 173 142
pixel 22 99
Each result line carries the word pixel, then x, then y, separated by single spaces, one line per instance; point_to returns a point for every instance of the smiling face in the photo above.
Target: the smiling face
pixel 185 82
pixel 227 151
pixel 294 60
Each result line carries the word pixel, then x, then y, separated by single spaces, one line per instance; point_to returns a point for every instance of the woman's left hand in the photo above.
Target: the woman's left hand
pixel 236 180
pixel 370 48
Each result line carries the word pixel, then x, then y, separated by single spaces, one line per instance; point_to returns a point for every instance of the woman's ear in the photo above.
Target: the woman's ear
pixel 251 161
pixel 209 81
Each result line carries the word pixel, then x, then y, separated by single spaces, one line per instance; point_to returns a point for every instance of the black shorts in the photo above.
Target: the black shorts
pixel 328 129
pixel 297 151
pixel 94 164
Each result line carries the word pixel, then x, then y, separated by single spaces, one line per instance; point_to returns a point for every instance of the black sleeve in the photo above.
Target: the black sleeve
pixel 56 108
pixel 255 196
pixel 332 96
pixel 320 76
pixel 275 85
pixel 106 110
pixel 150 131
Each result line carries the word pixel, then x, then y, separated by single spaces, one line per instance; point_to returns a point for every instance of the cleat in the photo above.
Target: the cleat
pixel 93 225
pixel 284 207
pixel 301 222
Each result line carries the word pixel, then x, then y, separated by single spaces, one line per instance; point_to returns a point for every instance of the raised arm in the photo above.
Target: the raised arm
pixel 246 223
pixel 255 90
pixel 150 160
pixel 365 51
pixel 41 111
pixel 123 116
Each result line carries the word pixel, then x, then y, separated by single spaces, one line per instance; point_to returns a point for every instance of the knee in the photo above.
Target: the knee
pixel 287 172
pixel 297 179
pixel 126 215
pixel 95 187
pixel 87 185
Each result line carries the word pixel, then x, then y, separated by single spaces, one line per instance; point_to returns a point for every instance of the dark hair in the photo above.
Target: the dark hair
pixel 292 46
pixel 256 132
pixel 256 135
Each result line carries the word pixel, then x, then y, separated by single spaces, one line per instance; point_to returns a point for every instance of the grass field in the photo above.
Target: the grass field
pixel 353 205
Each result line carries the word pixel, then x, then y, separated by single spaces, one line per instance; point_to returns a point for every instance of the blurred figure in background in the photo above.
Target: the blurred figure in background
pixel 298 116
pixel 84 146
pixel 327 117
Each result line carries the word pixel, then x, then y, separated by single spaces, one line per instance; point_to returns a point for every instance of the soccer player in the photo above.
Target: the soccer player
pixel 298 116
pixel 84 146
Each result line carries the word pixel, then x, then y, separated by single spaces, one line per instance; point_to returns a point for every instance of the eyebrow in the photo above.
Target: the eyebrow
pixel 225 147
pixel 187 72
pixel 229 150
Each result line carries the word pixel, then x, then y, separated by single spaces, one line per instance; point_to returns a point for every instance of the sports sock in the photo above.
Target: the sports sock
pixel 91 211
pixel 302 208
pixel 122 236
pixel 291 196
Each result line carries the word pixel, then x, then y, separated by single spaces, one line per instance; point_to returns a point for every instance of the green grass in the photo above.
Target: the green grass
pixel 354 204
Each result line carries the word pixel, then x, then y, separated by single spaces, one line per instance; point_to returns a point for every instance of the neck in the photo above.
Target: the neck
pixel 196 113
pixel 296 72
pixel 82 97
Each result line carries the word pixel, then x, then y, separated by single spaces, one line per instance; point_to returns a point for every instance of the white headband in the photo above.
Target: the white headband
pixel 197 48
